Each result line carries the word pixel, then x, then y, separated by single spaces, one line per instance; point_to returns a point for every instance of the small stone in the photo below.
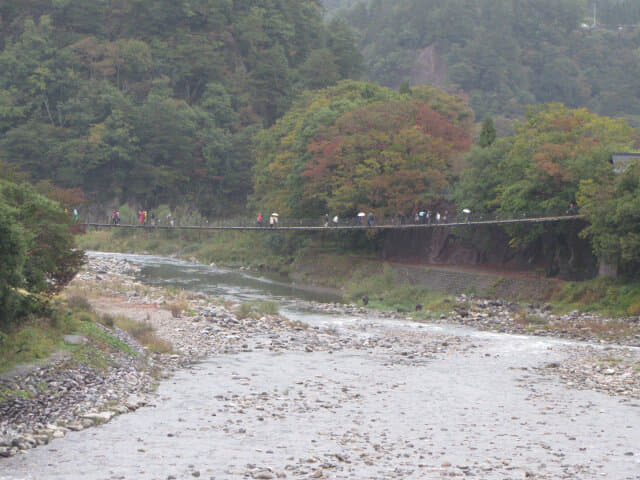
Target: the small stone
pixel 99 417
pixel 264 475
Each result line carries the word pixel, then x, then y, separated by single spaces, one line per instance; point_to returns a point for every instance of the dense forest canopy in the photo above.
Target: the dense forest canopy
pixel 505 54
pixel 157 101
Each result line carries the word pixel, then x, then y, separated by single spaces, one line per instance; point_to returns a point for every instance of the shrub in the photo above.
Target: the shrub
pixel 78 303
pixel 108 320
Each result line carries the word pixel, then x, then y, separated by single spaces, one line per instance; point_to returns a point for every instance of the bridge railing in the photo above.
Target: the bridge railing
pixel 457 217
pixel 284 221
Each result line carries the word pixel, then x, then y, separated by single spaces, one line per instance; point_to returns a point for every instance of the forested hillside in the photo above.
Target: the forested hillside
pixel 505 54
pixel 156 101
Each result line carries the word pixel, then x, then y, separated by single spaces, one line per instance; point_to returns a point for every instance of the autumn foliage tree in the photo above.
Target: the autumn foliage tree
pixel 390 157
pixel 359 146
pixel 538 171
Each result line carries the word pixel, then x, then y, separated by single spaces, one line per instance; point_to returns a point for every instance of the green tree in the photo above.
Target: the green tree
pixel 612 206
pixel 48 232
pixel 538 170
pixel 487 132
pixel 12 258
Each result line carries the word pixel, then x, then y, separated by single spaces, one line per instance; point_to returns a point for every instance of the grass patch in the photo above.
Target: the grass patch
pixel 104 339
pixel 612 360
pixel 144 333
pixel 256 309
pixel 608 296
pixel 528 320
pixel 387 292
pixel 7 393
pixel 178 307
pixel 37 338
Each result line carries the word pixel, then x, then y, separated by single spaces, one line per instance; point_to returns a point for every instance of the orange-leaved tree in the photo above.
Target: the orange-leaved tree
pixel 391 157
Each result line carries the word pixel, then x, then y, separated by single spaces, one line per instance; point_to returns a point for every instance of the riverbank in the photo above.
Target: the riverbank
pixel 374 395
pixel 596 363
pixel 352 265
pixel 64 395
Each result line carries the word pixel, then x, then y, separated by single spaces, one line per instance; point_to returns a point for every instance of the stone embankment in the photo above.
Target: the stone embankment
pixel 64 396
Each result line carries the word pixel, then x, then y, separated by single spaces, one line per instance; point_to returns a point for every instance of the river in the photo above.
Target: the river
pixel 379 399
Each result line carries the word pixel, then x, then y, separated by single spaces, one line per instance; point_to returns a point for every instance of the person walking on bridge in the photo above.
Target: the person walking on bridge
pixel 259 220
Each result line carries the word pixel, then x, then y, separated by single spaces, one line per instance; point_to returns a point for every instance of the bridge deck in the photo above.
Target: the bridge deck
pixel 314 228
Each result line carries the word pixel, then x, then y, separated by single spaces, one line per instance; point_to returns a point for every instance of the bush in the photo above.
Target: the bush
pixel 78 303
pixel 108 320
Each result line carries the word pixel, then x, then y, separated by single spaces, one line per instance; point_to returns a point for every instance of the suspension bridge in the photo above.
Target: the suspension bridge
pixel 350 224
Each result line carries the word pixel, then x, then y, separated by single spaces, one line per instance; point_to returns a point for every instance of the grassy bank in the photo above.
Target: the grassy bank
pixel 248 249
pixel 38 337
pixel 614 297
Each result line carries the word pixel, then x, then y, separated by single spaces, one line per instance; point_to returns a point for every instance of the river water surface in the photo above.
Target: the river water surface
pixel 402 400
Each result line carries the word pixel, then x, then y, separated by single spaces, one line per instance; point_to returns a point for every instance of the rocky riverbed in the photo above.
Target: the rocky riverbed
pixel 365 367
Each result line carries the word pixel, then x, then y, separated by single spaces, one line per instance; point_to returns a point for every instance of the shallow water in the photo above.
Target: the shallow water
pixel 476 409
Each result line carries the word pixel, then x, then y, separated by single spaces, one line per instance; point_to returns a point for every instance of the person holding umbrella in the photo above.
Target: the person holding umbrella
pixel 361 215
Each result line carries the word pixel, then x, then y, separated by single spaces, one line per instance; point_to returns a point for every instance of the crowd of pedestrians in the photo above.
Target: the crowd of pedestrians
pixel 421 217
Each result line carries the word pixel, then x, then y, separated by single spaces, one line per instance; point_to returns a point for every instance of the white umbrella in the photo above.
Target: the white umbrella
pixel 362 214
pixel 466 210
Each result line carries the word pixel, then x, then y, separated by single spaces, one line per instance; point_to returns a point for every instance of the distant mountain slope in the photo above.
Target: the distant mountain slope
pixel 507 53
